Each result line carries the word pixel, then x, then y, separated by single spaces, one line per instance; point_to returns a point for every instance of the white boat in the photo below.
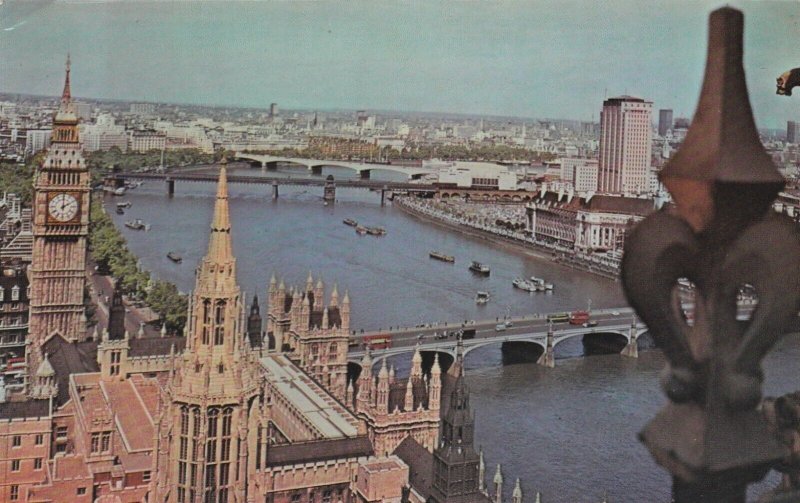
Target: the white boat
pixel 482 297
pixel 540 284
pixel 120 191
pixel 524 285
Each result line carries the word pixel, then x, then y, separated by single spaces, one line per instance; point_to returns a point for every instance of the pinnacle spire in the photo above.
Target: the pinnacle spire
pixel 219 246
pixel 66 95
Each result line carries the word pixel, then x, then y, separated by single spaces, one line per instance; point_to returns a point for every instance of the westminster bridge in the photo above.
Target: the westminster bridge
pixel 528 338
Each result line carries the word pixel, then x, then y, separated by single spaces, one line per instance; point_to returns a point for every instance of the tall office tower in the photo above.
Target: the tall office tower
pixel 273 110
pixel 60 229
pixel 625 136
pixel 792 132
pixel 664 121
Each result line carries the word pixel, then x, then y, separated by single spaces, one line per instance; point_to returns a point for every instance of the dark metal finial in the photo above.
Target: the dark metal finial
pixel 722 236
pixel 722 145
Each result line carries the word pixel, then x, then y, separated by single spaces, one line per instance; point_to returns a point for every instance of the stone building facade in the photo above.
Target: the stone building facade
pixel 312 334
pixel 394 409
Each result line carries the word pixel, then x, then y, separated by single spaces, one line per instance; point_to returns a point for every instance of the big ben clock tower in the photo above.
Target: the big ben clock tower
pixel 60 229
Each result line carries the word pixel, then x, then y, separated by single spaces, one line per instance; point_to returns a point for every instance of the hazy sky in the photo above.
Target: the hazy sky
pixel 531 58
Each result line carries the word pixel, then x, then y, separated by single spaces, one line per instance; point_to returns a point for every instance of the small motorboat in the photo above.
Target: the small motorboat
pixel 479 268
pixel 350 222
pixel 482 297
pixel 174 257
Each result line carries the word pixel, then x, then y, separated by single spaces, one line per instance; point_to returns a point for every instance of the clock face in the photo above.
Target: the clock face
pixel 63 207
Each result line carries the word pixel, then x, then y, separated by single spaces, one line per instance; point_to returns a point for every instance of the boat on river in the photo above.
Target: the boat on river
pixel 482 297
pixel 174 257
pixel 120 211
pixel 441 256
pixel 360 229
pixel 350 222
pixel 540 284
pixel 479 268
pixel 124 204
pixel 137 225
pixel 376 231
pixel 524 285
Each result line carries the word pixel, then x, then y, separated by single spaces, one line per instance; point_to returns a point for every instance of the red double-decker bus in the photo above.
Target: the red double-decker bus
pixel 380 341
pixel 578 317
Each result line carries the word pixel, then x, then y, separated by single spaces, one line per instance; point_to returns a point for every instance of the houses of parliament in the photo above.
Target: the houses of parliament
pixel 234 410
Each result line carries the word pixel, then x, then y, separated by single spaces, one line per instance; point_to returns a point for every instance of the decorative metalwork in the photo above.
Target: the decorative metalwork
pixel 721 234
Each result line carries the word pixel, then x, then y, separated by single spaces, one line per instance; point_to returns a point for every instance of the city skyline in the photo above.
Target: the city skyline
pixel 503 59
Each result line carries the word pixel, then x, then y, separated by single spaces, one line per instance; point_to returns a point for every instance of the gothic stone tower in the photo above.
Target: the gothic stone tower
pixel 60 227
pixel 208 424
pixel 313 335
pixel 455 462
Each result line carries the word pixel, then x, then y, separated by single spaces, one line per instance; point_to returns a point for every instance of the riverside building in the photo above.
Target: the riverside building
pixel 625 145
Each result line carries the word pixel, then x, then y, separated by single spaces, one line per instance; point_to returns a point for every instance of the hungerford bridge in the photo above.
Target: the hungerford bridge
pixel 315 166
pixel 526 338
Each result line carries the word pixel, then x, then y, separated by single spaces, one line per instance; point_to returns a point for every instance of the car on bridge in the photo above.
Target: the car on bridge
pixel 500 327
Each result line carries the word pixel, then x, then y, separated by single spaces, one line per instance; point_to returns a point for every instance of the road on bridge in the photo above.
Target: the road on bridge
pixel 485 329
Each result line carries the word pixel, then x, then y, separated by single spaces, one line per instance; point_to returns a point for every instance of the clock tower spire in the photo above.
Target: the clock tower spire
pixel 60 229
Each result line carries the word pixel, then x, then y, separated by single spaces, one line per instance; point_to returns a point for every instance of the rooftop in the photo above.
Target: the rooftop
pixel 327 416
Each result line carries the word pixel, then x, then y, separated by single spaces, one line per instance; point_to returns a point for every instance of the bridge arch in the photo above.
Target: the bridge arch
pixel 354 370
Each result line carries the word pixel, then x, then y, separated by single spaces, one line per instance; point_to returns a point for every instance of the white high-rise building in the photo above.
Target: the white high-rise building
pixel 625 137
pixel 37 140
pixel 104 134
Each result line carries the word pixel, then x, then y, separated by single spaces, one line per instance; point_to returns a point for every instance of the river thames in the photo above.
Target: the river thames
pixel 569 432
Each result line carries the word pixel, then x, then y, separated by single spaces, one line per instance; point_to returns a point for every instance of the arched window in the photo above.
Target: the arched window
pixel 206 320
pixel 15 292
pixel 219 323
pixel 332 350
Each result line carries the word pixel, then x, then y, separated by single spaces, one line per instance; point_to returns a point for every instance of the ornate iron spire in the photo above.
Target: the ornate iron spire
pixel 721 236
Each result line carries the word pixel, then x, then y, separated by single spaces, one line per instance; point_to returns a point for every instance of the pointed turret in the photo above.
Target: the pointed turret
pixel 348 396
pixel 220 251
pixel 364 383
pixel 498 485
pixel 254 320
pixel 319 293
pixel 45 369
pixel 481 473
pixel 391 374
pixel 309 282
pixel 66 94
pixel 516 496
pixel 538 497
pixel 416 365
pixel 325 320
pixel 409 399
pixel 435 385
pixel 345 311
pixel 335 296
pixel 382 402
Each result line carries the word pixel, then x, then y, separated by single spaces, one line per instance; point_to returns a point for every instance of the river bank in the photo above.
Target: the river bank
pixel 516 241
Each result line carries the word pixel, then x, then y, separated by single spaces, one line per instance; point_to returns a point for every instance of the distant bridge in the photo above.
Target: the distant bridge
pixel 328 183
pixel 534 335
pixel 363 169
